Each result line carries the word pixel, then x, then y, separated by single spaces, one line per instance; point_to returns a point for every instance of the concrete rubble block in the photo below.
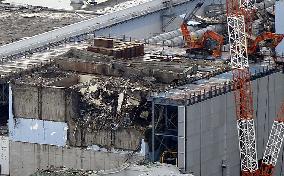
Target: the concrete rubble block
pixel 66 82
pixel 165 76
pixel 37 96
pixel 117 53
pixel 164 71
pixel 122 138
pixel 101 138
pixel 118 49
pixel 101 50
pixel 85 67
pixel 103 42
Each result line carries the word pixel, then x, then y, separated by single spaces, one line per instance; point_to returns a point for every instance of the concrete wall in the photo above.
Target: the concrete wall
pixel 211 133
pixel 148 25
pixel 121 138
pixel 4 155
pixel 127 139
pixel 25 101
pixel 50 104
pixel 26 158
pixel 39 103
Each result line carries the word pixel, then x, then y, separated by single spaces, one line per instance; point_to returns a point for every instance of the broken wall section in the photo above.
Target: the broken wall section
pixel 114 111
pixel 83 107
pixel 163 70
pixel 41 95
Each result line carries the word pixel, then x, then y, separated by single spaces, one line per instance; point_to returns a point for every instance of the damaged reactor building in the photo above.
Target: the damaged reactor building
pixel 143 87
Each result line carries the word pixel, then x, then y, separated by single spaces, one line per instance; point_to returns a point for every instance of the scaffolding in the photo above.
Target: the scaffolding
pixel 164 130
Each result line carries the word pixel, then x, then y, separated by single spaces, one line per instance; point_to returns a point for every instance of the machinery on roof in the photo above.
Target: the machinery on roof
pixel 271 40
pixel 209 43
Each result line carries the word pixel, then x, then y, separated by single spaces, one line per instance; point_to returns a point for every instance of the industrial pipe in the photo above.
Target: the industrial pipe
pixel 164 36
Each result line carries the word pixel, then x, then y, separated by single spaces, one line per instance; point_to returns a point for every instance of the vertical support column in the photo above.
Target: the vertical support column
pixel 182 140
pixel 153 130
pixel 166 118
pixel 11 116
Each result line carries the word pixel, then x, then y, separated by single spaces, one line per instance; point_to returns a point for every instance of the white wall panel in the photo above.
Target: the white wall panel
pixel 4 155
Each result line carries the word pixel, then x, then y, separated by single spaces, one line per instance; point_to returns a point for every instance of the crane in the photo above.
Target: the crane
pixel 239 28
pixel 274 40
pixel 241 78
pixel 273 145
pixel 199 45
pixel 184 30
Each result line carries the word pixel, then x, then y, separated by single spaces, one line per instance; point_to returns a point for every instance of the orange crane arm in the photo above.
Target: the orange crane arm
pixel 216 37
pixel 184 30
pixel 186 34
pixel 276 38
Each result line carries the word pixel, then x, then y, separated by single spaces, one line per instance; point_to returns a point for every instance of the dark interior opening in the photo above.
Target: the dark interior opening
pixel 4 104
pixel 4 114
pixel 166 134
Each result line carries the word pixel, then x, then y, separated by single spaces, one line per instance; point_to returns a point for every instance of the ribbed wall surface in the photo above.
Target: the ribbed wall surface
pixel 211 131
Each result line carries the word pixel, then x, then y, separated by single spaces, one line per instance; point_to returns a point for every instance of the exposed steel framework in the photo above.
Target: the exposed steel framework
pixel 238 42
pixel 273 145
pixel 241 76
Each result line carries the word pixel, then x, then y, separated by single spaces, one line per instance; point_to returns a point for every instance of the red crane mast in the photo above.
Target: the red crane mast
pixel 239 21
pixel 238 29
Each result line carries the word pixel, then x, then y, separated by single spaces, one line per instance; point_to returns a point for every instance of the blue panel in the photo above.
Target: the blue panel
pixel 38 131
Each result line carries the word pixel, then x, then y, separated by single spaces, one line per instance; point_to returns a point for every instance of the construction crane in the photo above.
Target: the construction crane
pixel 273 145
pixel 184 30
pixel 210 42
pixel 238 33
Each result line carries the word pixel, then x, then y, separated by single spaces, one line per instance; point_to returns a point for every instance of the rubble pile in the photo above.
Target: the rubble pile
pixel 145 168
pixel 114 102
pixel 46 77
pixel 62 172
pixel 164 70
